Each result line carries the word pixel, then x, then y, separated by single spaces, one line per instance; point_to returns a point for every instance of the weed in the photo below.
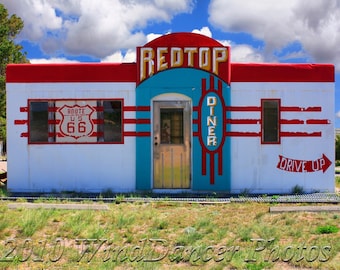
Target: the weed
pixel 245 192
pixel 119 199
pixel 3 192
pixel 327 229
pixel 34 220
pixel 297 190
pixel 245 234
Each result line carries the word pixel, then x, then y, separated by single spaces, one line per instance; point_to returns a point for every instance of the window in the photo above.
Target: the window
pixel 172 126
pixel 38 121
pixel 111 124
pixel 75 121
pixel 270 121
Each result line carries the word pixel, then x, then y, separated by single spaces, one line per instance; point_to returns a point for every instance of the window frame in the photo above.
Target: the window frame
pixel 52 122
pixel 263 117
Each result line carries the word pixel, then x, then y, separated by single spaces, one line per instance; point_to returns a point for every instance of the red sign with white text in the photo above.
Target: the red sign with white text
pixel 300 166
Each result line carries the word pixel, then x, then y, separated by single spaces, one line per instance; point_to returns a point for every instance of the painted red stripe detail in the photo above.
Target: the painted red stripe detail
pixel 137 133
pixel 23 109
pixel 195 108
pixel 137 108
pixel 300 109
pixel 243 121
pixel 242 134
pixel 220 162
pixel 96 134
pixel 212 169
pixel 54 122
pixel 291 122
pixel 195 121
pixel 98 121
pixel 20 122
pixel 24 135
pixel 318 121
pixel 204 162
pixel 137 121
pixel 75 72
pixel 53 109
pixel 243 108
pixel 98 108
pixel 195 134
pixel 282 72
pixel 300 134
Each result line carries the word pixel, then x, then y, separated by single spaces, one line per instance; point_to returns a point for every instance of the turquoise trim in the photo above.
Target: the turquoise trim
pixel 188 82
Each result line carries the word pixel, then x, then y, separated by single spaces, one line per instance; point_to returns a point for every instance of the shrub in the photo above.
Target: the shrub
pixel 327 229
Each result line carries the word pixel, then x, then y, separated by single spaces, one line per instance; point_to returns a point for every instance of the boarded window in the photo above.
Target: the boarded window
pixel 270 121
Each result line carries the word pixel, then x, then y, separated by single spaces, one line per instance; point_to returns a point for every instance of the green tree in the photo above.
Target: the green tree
pixel 10 52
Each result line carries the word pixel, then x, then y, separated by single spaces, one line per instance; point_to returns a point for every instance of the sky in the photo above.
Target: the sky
pixel 290 31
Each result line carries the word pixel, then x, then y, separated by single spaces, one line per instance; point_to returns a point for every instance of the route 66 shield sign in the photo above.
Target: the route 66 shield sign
pixel 76 121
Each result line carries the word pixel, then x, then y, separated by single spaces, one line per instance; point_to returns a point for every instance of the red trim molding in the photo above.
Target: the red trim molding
pixel 127 72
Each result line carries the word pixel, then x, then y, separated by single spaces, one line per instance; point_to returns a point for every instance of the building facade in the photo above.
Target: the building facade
pixel 180 119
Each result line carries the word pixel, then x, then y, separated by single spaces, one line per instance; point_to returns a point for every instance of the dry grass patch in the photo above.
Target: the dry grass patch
pixel 163 235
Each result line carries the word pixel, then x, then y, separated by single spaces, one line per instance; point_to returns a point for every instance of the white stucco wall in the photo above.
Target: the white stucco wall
pixel 254 165
pixel 68 167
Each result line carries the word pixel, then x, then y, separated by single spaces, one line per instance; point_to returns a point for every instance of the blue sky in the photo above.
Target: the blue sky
pixel 290 31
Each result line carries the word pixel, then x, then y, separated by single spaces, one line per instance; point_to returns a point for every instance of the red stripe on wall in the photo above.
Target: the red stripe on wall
pixel 195 121
pixel 20 122
pixel 54 122
pixel 243 108
pixel 23 109
pixel 137 133
pixel 24 135
pixel 291 122
pixel 242 134
pixel 137 108
pixel 300 134
pixel 318 121
pixel 53 109
pixel 243 121
pixel 98 121
pixel 300 109
pixel 137 121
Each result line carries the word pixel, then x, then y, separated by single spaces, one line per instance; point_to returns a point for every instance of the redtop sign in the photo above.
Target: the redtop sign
pixel 182 50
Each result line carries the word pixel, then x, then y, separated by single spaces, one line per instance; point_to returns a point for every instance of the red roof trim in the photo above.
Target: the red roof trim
pixel 79 72
pixel 282 72
pixel 127 72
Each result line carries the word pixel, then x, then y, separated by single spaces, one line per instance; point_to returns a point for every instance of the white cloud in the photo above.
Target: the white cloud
pixel 87 27
pixel 246 54
pixel 119 57
pixel 203 31
pixel 314 24
pixel 338 114
pixel 51 60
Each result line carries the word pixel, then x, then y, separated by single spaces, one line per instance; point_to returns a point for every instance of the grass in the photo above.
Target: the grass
pixel 167 235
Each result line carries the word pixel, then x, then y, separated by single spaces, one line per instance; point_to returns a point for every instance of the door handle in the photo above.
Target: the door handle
pixel 156 142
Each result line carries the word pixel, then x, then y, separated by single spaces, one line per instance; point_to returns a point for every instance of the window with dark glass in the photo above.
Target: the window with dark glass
pixel 270 121
pixel 110 129
pixel 44 126
pixel 172 126
pixel 38 121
